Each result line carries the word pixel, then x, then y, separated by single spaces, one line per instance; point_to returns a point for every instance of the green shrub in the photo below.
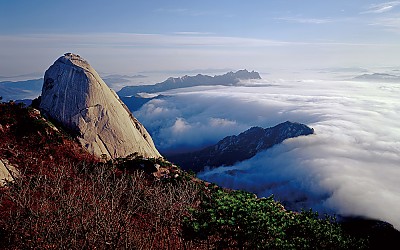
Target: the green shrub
pixel 240 220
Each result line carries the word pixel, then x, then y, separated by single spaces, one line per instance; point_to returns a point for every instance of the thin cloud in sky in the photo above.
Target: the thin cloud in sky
pixel 183 11
pixel 206 39
pixel 127 52
pixel 171 10
pixel 193 33
pixel 390 23
pixel 141 40
pixel 305 20
pixel 381 8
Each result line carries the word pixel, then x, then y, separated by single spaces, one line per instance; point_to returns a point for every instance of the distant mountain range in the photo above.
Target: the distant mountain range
pixel 134 103
pixel 29 89
pixel 378 77
pixel 116 82
pixel 130 95
pixel 228 79
pixel 240 147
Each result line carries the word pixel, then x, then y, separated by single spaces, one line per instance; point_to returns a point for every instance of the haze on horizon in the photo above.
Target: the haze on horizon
pixel 171 37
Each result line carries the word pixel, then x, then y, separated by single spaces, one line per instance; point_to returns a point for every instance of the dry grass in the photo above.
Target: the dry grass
pixel 82 207
pixel 66 199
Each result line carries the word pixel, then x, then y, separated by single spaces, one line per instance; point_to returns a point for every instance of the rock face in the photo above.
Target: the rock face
pixel 240 147
pixel 7 173
pixel 75 96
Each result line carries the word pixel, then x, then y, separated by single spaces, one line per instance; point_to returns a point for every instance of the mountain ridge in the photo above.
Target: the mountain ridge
pixel 230 78
pixel 378 77
pixel 16 90
pixel 240 147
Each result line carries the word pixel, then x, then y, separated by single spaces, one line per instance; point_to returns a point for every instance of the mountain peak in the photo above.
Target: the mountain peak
pixel 240 147
pixel 244 74
pixel 75 96
pixel 74 60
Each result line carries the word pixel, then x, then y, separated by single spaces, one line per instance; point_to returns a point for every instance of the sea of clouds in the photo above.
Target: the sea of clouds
pixel 350 167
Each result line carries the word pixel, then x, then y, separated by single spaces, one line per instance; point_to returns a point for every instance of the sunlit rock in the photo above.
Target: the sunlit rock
pixel 75 96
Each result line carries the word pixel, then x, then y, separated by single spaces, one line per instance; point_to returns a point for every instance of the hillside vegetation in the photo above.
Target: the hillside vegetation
pixel 67 199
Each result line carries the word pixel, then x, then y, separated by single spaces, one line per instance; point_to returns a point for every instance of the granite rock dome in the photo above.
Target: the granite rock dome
pixel 75 96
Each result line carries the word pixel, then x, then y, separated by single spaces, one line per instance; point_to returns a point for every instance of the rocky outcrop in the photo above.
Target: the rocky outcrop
pixel 7 173
pixel 240 147
pixel 75 96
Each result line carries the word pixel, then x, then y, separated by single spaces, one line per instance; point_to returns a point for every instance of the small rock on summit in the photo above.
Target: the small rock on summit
pixel 75 96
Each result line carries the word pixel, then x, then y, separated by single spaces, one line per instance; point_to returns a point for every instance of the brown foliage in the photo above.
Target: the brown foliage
pixel 28 141
pixel 77 207
pixel 66 199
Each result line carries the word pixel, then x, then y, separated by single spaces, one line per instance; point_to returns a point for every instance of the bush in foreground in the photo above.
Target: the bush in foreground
pixel 239 220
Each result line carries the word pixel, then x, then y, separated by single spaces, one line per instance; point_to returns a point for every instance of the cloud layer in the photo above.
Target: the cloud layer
pixel 349 167
pixel 382 7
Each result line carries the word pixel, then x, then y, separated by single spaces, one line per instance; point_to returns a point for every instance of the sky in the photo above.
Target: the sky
pixel 131 37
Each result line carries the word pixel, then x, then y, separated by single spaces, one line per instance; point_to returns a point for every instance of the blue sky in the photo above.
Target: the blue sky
pixel 136 36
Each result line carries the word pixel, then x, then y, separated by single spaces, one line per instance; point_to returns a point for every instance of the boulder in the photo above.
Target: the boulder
pixel 74 96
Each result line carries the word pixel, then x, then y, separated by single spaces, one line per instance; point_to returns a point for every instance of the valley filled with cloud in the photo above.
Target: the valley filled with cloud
pixel 348 167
